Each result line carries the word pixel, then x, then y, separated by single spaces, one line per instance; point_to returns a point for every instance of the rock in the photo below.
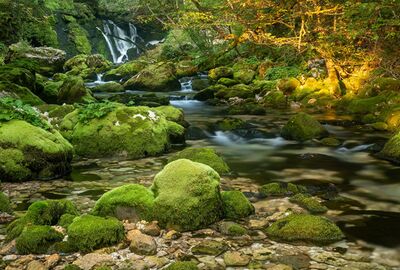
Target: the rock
pixel 303 127
pixel 36 265
pixel 131 202
pixel 87 66
pixel 125 71
pixel 172 235
pixel 281 189
pixel 12 90
pixel 131 132
pixel 142 244
pixel 298 261
pixel 210 247
pixel 206 156
pixel 330 142
pixel 9 258
pixel 235 258
pixel 391 150
pixel 91 260
pixel 220 72
pixel 231 228
pixel 110 87
pixel 380 126
pixel 37 239
pixel 200 84
pixel 73 90
pixel 8 248
pixel 156 77
pixel 236 205
pixel 183 266
pixel 43 155
pixel 88 232
pixel 246 108
pixel 52 260
pixel 245 76
pixel 152 229
pixel 309 203
pixel 306 228
pixel 238 90
pixel 187 196
pixel 230 123
pixel 280 267
pixel 209 92
pixel 157 262
pixel 149 100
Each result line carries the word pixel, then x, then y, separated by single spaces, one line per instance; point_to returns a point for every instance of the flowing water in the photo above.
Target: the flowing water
pixel 370 187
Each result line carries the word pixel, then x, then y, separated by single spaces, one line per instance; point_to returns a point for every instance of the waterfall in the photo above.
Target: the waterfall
pixel 119 41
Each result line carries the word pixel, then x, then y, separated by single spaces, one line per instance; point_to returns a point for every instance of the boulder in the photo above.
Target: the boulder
pixel 87 66
pixel 73 90
pixel 281 189
pixel 305 228
pixel 157 77
pixel 238 90
pixel 220 72
pixel 231 229
pixel 303 127
pixel 131 202
pixel 210 247
pixel 309 203
pixel 15 91
pixel 187 196
pixel 236 205
pixel 230 123
pixel 109 129
pixel 391 150
pixel 88 233
pixel 125 71
pixel 110 87
pixel 37 239
pixel 206 156
pixel 142 244
pixel 235 258
pixel 44 154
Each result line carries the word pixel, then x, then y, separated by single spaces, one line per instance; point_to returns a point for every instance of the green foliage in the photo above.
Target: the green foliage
pixel 236 205
pixel 16 109
pixel 88 233
pixel 95 110
pixel 37 239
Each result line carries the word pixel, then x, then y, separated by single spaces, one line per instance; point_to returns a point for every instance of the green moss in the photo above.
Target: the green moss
pixel 288 85
pixel 391 150
pixel 276 73
pixel 51 90
pixel 133 202
pixel 281 189
pixel 87 66
pixel 330 142
pixel 66 220
pixel 239 90
pixel 245 76
pixel 309 203
pixel 200 84
pixel 183 266
pixel 73 90
pixel 210 247
pixel 209 92
pixel 220 72
pixel 172 113
pixel 5 205
pixel 110 87
pixel 232 229
pixel 275 99
pixel 227 82
pixel 206 156
pixel 303 127
pixel 305 228
pixel 14 91
pixel 46 212
pixel 79 36
pixel 37 239
pixel 248 108
pixel 125 70
pixel 230 123
pixel 236 205
pixel 187 195
pixel 72 267
pixel 88 233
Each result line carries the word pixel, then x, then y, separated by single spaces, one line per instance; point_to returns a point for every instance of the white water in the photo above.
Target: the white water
pixel 186 85
pixel 119 41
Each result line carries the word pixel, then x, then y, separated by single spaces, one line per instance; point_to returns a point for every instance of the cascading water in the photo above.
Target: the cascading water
pixel 119 42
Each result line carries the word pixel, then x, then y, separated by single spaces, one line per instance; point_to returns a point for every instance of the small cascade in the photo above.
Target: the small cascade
pixel 119 41
pixel 186 84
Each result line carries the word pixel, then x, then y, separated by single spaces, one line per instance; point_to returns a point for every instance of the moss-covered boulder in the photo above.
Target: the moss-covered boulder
pixel 187 196
pixel 125 71
pixel 228 82
pixel 110 129
pixel 230 123
pixel 41 155
pixel 220 72
pixel 12 90
pixel 37 239
pixel 281 189
pixel 245 76
pixel 87 66
pixel 246 108
pixel 200 84
pixel 5 205
pixel 239 90
pixel 183 266
pixel 236 205
pixel 303 127
pixel 47 212
pixel 16 74
pixel 110 87
pixel 149 100
pixel 209 92
pixel 173 114
pixel 130 202
pixel 56 113
pixel 231 229
pixel 391 150
pixel 157 77
pixel 275 99
pixel 309 203
pixel 206 156
pixel 88 233
pixel 305 228
pixel 73 90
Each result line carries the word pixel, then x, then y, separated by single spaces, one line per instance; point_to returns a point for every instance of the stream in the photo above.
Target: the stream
pixel 258 155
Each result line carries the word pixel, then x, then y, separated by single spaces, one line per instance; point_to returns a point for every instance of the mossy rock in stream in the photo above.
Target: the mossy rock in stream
pixel 281 189
pixel 391 150
pixel 5 205
pixel 19 75
pixel 88 233
pixel 41 155
pixel 230 123
pixel 73 90
pixel 187 196
pixel 309 203
pixel 129 202
pixel 209 92
pixel 87 66
pixel 48 212
pixel 149 100
pixel 220 72
pixel 206 156
pixel 305 228
pixel 37 239
pixel 247 108
pixel 99 130
pixel 110 87
pixel 236 205
pixel 303 127
pixel 183 266
pixel 126 70
pixel 238 90
pixel 244 76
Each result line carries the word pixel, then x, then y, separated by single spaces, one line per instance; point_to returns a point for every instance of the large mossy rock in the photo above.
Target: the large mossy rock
pixel 88 233
pixel 130 202
pixel 29 152
pixel 132 132
pixel 303 127
pixel 73 90
pixel 5 205
pixel 87 66
pixel 187 196
pixel 236 205
pixel 305 228
pixel 391 150
pixel 220 72
pixel 126 70
pixel 47 212
pixel 12 90
pixel 22 76
pixel 206 156
pixel 37 239
pixel 157 77
pixel 239 90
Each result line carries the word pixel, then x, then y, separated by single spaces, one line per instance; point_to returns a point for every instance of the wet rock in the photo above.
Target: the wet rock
pixel 52 260
pixel 172 235
pixel 157 262
pixel 91 260
pixel 36 265
pixel 296 261
pixel 330 142
pixel 235 258
pixel 231 228
pixel 210 247
pixel 303 127
pixel 9 258
pixel 73 90
pixel 141 244
pixel 152 229
pixel 280 267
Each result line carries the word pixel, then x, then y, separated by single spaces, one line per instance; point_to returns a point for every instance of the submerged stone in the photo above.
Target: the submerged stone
pixel 305 228
pixel 206 156
pixel 303 127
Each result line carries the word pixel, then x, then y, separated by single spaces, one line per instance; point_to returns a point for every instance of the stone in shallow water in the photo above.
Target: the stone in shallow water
pixel 235 258
pixel 141 244
pixel 210 247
